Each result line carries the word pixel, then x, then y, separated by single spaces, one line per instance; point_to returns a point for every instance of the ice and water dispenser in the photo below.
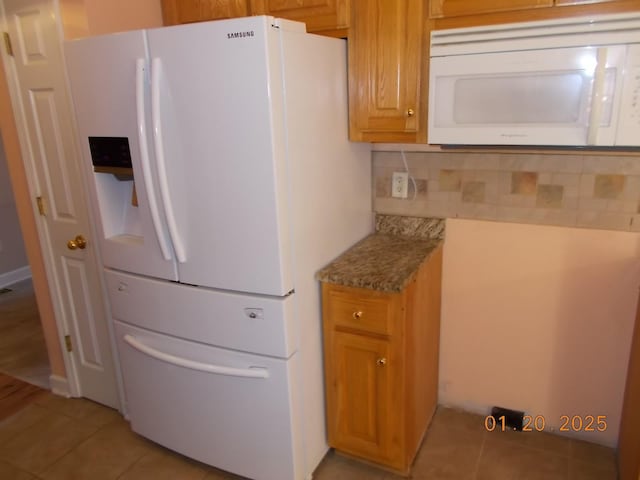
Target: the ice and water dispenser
pixel 115 186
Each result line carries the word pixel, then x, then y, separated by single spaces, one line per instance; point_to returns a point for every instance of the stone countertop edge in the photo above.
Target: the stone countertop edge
pixel 382 261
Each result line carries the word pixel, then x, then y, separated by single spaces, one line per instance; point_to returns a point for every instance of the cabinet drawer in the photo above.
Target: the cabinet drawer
pixel 369 313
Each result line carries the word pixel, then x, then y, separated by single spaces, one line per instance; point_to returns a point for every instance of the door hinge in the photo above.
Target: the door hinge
pixel 40 202
pixel 67 342
pixel 7 43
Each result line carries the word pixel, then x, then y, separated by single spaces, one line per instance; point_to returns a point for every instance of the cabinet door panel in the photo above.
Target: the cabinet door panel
pixel 455 8
pixel 319 15
pixel 361 397
pixel 385 58
pixel 581 2
pixel 187 11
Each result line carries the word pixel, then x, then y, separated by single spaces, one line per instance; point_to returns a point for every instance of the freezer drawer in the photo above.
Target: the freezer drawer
pixel 228 409
pixel 250 323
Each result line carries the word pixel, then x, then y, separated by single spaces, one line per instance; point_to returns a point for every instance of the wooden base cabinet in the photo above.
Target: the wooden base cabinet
pixel 381 367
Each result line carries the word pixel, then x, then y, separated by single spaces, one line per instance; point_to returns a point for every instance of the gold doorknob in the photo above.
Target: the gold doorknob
pixel 78 242
pixel 357 315
pixel 410 112
pixel 381 362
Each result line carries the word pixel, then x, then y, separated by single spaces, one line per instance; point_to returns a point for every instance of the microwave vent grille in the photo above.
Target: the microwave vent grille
pixel 574 32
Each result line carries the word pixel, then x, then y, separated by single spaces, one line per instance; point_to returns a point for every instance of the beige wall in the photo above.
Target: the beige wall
pixel 12 252
pixel 538 318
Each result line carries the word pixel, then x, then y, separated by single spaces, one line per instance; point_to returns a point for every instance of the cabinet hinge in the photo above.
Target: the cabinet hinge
pixel 7 43
pixel 67 342
pixel 40 203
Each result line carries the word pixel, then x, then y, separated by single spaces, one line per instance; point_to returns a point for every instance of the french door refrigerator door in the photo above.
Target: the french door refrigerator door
pixel 109 78
pixel 218 124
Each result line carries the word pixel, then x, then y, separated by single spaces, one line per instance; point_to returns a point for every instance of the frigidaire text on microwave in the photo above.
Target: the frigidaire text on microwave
pixel 569 82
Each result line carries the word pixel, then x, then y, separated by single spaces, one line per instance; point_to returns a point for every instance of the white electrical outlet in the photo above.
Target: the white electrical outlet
pixel 400 184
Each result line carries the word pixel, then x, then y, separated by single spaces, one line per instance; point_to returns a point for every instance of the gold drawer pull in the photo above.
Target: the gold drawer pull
pixel 357 315
pixel 381 362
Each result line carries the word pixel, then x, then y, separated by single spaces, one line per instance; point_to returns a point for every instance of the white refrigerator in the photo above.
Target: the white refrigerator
pixel 222 179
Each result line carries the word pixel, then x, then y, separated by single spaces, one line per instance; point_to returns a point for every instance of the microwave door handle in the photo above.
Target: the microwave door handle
pixel 595 114
pixel 156 73
pixel 144 160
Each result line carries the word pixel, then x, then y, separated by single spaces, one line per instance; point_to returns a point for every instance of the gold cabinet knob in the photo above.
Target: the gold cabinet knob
pixel 357 315
pixel 78 242
pixel 410 112
pixel 381 362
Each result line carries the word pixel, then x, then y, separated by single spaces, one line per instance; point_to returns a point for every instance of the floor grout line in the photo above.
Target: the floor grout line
pixel 475 471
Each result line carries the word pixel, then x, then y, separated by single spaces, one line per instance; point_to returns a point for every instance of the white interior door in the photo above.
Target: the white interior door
pixel 43 113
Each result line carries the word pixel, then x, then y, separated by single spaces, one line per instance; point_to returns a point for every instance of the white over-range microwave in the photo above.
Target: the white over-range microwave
pixel 569 82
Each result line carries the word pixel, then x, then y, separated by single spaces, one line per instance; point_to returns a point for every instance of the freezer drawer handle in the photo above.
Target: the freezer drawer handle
pixel 257 372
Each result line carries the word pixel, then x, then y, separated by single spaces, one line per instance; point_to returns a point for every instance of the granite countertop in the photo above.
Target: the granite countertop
pixel 387 259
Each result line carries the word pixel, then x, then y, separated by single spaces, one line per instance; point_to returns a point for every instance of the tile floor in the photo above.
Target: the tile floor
pixel 75 439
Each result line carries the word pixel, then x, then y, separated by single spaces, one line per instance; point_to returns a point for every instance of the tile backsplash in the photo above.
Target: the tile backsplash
pixel 590 190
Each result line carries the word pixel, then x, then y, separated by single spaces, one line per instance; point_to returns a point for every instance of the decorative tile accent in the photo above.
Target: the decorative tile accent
pixel 450 180
pixel 421 188
pixel 589 191
pixel 608 186
pixel 524 183
pixel 383 187
pixel 549 196
pixel 473 192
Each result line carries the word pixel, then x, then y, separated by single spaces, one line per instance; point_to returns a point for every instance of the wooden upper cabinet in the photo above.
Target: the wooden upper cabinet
pixel 386 62
pixel 175 12
pixel 581 2
pixel 471 13
pixel 330 17
pixel 456 8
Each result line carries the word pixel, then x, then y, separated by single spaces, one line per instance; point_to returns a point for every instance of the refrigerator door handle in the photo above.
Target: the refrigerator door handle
pixel 144 157
pixel 257 372
pixel 156 73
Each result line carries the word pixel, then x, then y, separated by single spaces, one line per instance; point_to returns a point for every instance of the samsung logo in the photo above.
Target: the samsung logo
pixel 240 34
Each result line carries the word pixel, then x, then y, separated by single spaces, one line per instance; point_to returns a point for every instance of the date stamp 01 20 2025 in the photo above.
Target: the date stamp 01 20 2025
pixel 575 423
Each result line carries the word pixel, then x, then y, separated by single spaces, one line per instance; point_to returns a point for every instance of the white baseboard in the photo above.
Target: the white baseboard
pixel 14 276
pixel 60 386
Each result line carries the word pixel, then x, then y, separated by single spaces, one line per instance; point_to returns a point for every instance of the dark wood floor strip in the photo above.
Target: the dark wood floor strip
pixel 15 395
